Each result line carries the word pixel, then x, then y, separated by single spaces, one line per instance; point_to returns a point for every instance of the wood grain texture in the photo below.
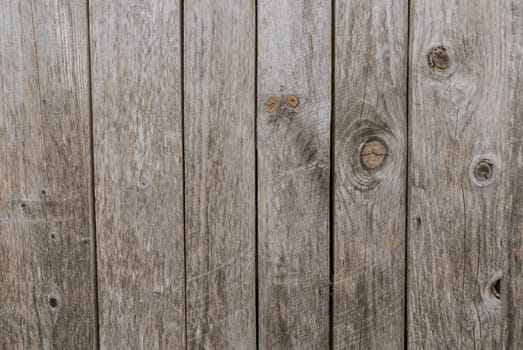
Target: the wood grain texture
pixel 512 284
pixel 46 289
pixel 136 83
pixel 464 218
pixel 369 207
pixel 219 60
pixel 294 108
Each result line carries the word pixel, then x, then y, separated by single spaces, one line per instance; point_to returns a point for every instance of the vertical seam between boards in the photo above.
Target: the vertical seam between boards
pixel 332 177
pixel 256 262
pixel 182 111
pixel 94 245
pixel 407 184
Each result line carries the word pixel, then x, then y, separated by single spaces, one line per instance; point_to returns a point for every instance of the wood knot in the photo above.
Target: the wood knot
pixel 373 153
pixel 272 104
pixel 439 57
pixel 484 170
pixel 492 292
pixel 293 101
pixel 53 301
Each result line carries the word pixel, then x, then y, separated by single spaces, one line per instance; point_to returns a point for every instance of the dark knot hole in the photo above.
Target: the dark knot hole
pixel 53 302
pixel 496 289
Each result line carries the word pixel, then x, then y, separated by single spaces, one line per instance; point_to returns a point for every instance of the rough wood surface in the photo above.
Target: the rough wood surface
pixel 219 42
pixel 294 108
pixel 512 284
pixel 370 150
pixel 46 289
pixel 136 83
pixel 465 155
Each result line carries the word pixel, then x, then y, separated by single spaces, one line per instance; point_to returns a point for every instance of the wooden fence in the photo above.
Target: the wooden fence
pixel 270 174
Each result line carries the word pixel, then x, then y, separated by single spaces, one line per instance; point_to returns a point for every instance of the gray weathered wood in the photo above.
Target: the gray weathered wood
pixel 464 219
pixel 46 275
pixel 370 150
pixel 294 108
pixel 136 83
pixel 219 46
pixel 512 284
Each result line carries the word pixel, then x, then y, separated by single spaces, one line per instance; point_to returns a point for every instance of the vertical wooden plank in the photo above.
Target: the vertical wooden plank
pixel 512 284
pixel 466 127
pixel 46 293
pixel 294 108
pixel 136 75
pixel 371 52
pixel 219 45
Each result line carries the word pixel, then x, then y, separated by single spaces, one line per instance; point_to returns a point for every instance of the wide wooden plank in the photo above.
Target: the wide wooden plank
pixel 371 52
pixel 219 60
pixel 136 83
pixel 465 158
pixel 46 236
pixel 293 133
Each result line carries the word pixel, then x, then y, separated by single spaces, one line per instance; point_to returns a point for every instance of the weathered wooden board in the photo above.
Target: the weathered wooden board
pixel 219 61
pixel 293 134
pixel 465 155
pixel 371 52
pixel 46 275
pixel 136 84
pixel 512 284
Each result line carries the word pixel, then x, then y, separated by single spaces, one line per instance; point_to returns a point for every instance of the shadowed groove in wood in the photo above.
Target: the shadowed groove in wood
pixel 182 107
pixel 255 155
pixel 332 177
pixel 94 246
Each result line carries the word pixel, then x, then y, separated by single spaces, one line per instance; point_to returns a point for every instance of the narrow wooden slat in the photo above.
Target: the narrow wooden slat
pixel 465 155
pixel 219 45
pixel 136 83
pixel 512 284
pixel 371 52
pixel 294 108
pixel 46 289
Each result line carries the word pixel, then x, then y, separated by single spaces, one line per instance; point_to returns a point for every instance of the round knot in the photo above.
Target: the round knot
pixel 439 57
pixel 293 101
pixel 272 104
pixel 483 170
pixel 373 154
